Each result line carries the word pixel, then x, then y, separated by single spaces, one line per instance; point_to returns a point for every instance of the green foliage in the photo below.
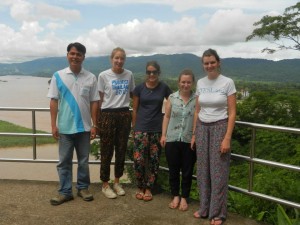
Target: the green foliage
pixel 279 27
pixel 274 105
pixel 268 103
pixel 283 218
pixel 6 141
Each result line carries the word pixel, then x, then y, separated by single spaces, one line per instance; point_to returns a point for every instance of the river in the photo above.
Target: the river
pixel 28 91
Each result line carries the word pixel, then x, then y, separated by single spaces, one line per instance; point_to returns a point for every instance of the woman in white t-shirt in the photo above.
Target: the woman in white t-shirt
pixel 115 87
pixel 213 126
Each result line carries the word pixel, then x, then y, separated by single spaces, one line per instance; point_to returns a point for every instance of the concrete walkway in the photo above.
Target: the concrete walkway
pixel 24 202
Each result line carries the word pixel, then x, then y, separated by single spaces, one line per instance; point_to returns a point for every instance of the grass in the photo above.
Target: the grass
pixel 7 141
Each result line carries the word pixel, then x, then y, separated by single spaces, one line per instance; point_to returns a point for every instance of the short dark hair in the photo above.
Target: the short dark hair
pixel 80 47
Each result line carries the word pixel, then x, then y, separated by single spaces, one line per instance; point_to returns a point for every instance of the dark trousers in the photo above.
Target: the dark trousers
pixel 114 129
pixel 180 157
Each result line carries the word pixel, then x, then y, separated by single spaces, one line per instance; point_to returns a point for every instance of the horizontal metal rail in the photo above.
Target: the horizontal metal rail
pixel 250 159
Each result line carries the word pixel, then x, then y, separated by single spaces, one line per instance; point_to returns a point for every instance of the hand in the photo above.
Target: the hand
pixel 225 145
pixel 163 141
pixel 193 143
pixel 93 133
pixel 55 133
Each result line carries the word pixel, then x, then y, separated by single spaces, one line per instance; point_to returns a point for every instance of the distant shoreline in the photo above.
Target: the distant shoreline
pixel 28 92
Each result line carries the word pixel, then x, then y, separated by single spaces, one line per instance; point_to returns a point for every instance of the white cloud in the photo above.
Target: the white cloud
pixel 148 36
pixel 25 44
pixel 35 34
pixel 227 27
pixel 56 13
pixel 58 25
pixel 183 5
pixel 21 10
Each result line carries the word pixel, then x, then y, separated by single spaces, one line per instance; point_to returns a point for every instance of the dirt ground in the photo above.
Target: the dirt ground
pixel 24 202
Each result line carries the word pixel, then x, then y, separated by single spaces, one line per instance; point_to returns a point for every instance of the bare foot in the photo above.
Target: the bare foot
pixel 174 203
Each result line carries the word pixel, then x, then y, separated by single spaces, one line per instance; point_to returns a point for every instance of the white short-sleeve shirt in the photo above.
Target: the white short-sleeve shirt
pixel 213 98
pixel 116 88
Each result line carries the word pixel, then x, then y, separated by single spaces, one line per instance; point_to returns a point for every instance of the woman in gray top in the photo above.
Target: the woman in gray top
pixel 213 126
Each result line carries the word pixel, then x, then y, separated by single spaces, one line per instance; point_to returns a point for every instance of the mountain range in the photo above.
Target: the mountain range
pixel 237 68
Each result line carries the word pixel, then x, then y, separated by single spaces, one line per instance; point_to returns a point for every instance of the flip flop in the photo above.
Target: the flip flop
pixel 197 215
pixel 147 197
pixel 139 195
pixel 213 221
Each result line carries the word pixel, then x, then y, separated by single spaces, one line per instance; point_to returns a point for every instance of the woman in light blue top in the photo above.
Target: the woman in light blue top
pixel 176 138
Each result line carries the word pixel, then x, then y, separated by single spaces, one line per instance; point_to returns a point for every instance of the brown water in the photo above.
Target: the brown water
pixel 26 91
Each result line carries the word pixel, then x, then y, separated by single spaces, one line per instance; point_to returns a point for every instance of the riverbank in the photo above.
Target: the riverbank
pixel 25 91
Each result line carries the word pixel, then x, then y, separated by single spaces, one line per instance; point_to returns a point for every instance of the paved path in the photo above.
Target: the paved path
pixel 27 203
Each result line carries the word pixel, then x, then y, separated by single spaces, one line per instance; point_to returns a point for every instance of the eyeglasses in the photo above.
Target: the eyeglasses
pixel 154 72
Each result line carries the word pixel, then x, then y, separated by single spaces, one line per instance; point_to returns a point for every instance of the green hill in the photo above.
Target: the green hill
pixel 171 65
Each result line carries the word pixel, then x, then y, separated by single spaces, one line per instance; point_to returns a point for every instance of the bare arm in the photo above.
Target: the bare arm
pixel 231 101
pixel 101 99
pixel 165 124
pixel 94 112
pixel 197 110
pixel 53 115
pixel 135 107
pixel 99 105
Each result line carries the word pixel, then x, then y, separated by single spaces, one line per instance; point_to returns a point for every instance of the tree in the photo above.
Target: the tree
pixel 275 28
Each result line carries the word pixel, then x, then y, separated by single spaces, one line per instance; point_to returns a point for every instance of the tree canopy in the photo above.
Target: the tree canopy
pixel 279 28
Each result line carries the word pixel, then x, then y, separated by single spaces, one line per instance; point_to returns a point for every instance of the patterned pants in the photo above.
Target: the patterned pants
pixel 212 169
pixel 146 155
pixel 114 129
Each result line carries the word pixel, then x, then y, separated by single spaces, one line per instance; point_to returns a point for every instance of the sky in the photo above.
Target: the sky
pixel 31 29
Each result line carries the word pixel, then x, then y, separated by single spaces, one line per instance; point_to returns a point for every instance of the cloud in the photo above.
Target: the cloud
pixel 22 10
pixel 235 28
pixel 58 25
pixel 26 45
pixel 47 11
pixel 41 30
pixel 148 36
pixel 180 5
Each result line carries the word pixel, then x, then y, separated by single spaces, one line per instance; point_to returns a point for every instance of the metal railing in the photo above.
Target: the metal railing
pixel 250 159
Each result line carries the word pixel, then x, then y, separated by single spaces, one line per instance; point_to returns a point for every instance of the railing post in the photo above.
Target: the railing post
pixel 34 132
pixel 251 163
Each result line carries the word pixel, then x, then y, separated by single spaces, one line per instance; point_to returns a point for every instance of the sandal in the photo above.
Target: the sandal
pixel 174 204
pixel 147 197
pixel 139 195
pixel 219 221
pixel 197 215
